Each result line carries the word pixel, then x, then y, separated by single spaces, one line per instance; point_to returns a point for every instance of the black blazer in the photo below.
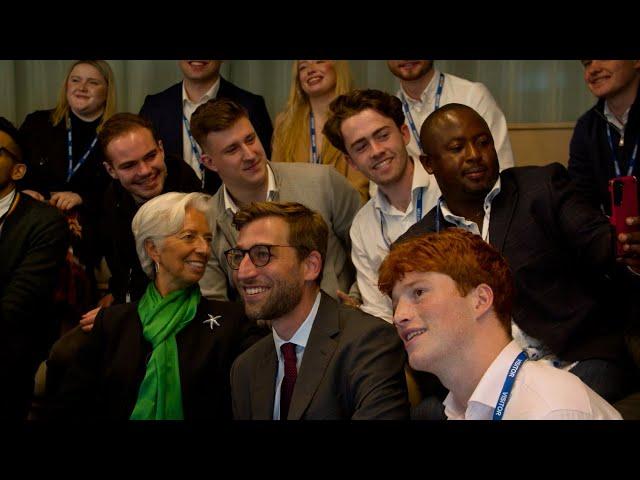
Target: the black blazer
pixel 164 110
pixel 98 375
pixel 570 293
pixel 33 245
pixel 353 368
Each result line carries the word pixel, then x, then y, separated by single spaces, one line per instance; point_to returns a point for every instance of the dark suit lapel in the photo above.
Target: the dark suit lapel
pixel 264 383
pixel 176 118
pixel 318 353
pixel 502 210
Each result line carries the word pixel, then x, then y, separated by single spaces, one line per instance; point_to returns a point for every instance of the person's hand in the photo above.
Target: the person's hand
pixel 348 300
pixel 74 225
pixel 65 200
pixel 33 194
pixel 631 246
pixel 87 320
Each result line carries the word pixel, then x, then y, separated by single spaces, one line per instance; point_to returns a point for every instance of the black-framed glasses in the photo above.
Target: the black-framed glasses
pixel 260 255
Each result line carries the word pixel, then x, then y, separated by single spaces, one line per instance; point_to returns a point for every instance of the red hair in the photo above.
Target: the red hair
pixel 461 255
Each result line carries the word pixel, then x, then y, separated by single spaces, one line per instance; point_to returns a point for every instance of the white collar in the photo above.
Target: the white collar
pixel 301 336
pixel 5 203
pixel 451 218
pixel 614 120
pixel 272 188
pixel 428 93
pixel 211 93
pixel 421 179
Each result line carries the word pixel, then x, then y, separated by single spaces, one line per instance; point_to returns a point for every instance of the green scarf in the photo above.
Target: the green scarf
pixel 160 395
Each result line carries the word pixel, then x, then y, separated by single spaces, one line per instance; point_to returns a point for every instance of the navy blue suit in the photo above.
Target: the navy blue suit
pixel 164 110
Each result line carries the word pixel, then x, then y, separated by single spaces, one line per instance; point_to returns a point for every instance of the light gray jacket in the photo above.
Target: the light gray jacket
pixel 320 188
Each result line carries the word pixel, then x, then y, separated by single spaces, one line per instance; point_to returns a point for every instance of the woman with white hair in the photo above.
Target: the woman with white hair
pixel 168 356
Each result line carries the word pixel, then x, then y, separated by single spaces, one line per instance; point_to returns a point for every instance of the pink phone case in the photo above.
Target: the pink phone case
pixel 624 203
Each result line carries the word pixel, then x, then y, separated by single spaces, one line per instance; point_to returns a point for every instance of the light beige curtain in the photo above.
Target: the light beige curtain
pixel 528 91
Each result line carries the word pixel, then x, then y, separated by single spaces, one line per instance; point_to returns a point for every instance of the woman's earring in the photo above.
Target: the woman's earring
pixel 156 267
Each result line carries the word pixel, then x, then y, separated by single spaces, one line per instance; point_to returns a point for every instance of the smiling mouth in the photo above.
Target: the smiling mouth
pixel 414 334
pixel 197 264
pixel 254 290
pixel 381 164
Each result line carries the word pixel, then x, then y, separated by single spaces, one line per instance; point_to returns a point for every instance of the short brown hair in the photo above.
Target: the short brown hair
pixel 307 229
pixel 118 125
pixel 351 103
pixel 461 255
pixel 214 116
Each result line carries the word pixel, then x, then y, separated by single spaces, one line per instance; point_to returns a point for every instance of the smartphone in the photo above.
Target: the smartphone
pixel 624 203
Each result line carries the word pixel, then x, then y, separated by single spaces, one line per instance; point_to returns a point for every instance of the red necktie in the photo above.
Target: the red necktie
pixel 290 374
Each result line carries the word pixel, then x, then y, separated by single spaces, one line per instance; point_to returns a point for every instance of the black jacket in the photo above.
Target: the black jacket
pixel 164 110
pixel 570 293
pixel 33 245
pixel 590 157
pixel 97 375
pixel 118 244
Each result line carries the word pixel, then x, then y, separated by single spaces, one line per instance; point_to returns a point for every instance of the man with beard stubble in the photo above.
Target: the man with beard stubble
pixel 324 361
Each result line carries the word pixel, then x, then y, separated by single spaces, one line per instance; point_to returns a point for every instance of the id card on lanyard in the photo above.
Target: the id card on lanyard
pixel 616 164
pixel 505 394
pixel 315 157
pixel 194 147
pixel 71 170
pixel 407 111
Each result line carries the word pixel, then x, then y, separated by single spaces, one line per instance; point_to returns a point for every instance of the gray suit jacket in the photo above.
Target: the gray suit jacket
pixel 353 368
pixel 320 188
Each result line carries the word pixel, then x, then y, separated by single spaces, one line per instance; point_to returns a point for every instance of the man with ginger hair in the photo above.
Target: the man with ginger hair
pixel 452 296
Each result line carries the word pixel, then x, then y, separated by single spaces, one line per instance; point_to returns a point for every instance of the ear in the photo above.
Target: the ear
pixel 208 162
pixel 110 170
pixel 482 299
pixel 312 266
pixel 18 171
pixel 406 133
pixel 152 250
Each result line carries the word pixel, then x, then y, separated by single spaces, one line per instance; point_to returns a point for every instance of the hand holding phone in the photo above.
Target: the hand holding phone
pixel 624 203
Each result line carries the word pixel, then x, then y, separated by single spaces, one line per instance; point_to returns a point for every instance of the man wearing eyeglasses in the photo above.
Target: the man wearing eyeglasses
pixel 324 361
pixel 33 244
pixel 232 148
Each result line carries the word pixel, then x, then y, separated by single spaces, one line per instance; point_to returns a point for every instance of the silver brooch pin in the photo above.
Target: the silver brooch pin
pixel 212 320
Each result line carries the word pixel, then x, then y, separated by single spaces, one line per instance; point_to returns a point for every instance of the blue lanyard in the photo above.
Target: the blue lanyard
pixel 194 146
pixel 72 170
pixel 632 162
pixel 407 112
pixel 383 222
pixel 315 158
pixel 508 385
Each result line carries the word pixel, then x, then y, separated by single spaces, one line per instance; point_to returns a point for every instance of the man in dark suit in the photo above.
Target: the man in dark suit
pixel 324 360
pixel 573 298
pixel 170 112
pixel 33 244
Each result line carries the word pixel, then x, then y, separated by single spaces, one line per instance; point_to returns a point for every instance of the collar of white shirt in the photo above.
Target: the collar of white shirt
pixel 484 398
pixel 301 337
pixel 467 224
pixel 428 94
pixel 5 202
pixel 211 93
pixel 421 179
pixel 614 120
pixel 272 188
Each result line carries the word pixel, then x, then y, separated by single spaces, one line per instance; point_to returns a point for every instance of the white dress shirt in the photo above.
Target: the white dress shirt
pixel 5 204
pixel 472 94
pixel 188 107
pixel 370 240
pixel 300 339
pixel 540 392
pixel 272 188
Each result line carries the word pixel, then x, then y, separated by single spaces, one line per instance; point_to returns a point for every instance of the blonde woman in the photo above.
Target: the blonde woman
pixel 298 134
pixel 65 163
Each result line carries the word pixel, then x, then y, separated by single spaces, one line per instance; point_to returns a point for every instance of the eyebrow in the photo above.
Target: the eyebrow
pixel 361 139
